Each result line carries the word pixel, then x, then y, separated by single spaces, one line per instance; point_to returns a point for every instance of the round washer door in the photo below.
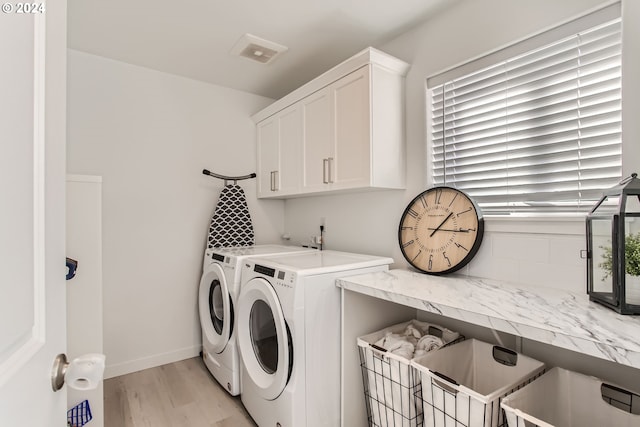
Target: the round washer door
pixel 263 338
pixel 214 302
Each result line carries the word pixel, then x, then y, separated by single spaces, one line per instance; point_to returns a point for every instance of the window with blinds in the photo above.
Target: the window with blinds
pixel 536 132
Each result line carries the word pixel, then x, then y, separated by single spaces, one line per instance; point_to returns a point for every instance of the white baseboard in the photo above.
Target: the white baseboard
pixel 150 361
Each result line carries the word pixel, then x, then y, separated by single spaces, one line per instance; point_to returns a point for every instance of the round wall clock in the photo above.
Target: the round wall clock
pixel 440 230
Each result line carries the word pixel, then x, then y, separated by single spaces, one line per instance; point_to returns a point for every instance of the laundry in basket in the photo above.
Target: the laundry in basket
pixel 392 394
pixel 462 384
pixel 565 398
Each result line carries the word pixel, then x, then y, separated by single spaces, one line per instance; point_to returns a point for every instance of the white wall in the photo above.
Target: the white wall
pixel 149 135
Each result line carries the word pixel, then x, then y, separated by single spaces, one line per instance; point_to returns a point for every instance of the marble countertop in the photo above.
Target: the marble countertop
pixel 547 315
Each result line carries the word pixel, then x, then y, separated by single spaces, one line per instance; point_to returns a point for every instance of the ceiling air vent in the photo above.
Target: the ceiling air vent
pixel 257 49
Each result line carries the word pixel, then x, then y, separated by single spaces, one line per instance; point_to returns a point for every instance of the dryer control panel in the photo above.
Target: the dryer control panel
pixel 283 278
pixel 267 271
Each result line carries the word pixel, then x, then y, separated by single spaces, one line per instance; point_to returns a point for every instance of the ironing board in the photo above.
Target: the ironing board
pixel 231 222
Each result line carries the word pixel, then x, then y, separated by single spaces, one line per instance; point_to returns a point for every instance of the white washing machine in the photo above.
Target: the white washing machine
pixel 289 335
pixel 219 288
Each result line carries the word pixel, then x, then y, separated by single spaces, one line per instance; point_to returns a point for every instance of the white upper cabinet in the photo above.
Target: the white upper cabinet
pixel 279 151
pixel 268 155
pixel 317 142
pixel 350 166
pixel 343 131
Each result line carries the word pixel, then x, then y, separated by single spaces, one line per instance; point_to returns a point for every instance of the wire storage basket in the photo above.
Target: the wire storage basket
pixel 569 399
pixel 79 415
pixel 392 391
pixel 463 384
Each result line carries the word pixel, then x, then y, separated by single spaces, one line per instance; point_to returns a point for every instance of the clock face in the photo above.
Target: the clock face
pixel 440 230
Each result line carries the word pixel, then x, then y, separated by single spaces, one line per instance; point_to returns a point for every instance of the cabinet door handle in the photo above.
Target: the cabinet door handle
pixel 330 174
pixel 325 169
pixel 276 181
pixel 272 175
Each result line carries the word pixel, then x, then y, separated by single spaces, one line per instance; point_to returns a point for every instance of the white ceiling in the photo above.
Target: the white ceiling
pixel 193 38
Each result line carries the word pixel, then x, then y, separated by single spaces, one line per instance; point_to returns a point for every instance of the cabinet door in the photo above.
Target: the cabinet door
pixel 279 153
pixel 288 176
pixel 317 113
pixel 351 164
pixel 268 156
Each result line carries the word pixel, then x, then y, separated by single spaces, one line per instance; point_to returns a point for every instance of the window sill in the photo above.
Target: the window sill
pixel 567 224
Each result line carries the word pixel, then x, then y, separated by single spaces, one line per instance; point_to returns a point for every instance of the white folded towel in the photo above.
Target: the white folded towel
pixel 397 344
pixel 426 344
pixel 413 333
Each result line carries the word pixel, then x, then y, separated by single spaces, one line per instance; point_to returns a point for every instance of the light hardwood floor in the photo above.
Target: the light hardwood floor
pixel 178 394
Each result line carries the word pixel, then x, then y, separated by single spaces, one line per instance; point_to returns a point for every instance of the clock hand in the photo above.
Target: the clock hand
pixel 462 230
pixel 441 224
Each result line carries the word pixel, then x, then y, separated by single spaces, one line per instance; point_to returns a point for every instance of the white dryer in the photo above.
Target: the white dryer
pixel 218 293
pixel 289 327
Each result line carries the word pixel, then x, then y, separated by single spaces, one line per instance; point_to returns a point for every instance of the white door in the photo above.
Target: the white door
pixel 32 219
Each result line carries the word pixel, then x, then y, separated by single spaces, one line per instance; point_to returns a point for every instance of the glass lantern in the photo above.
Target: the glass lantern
pixel 613 248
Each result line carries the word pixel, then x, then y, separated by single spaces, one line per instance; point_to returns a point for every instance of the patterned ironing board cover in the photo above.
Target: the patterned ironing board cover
pixel 231 222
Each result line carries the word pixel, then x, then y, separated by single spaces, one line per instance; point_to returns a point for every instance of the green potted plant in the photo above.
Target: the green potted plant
pixel 631 257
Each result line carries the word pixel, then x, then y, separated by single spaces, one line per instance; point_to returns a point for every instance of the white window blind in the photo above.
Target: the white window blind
pixel 540 131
